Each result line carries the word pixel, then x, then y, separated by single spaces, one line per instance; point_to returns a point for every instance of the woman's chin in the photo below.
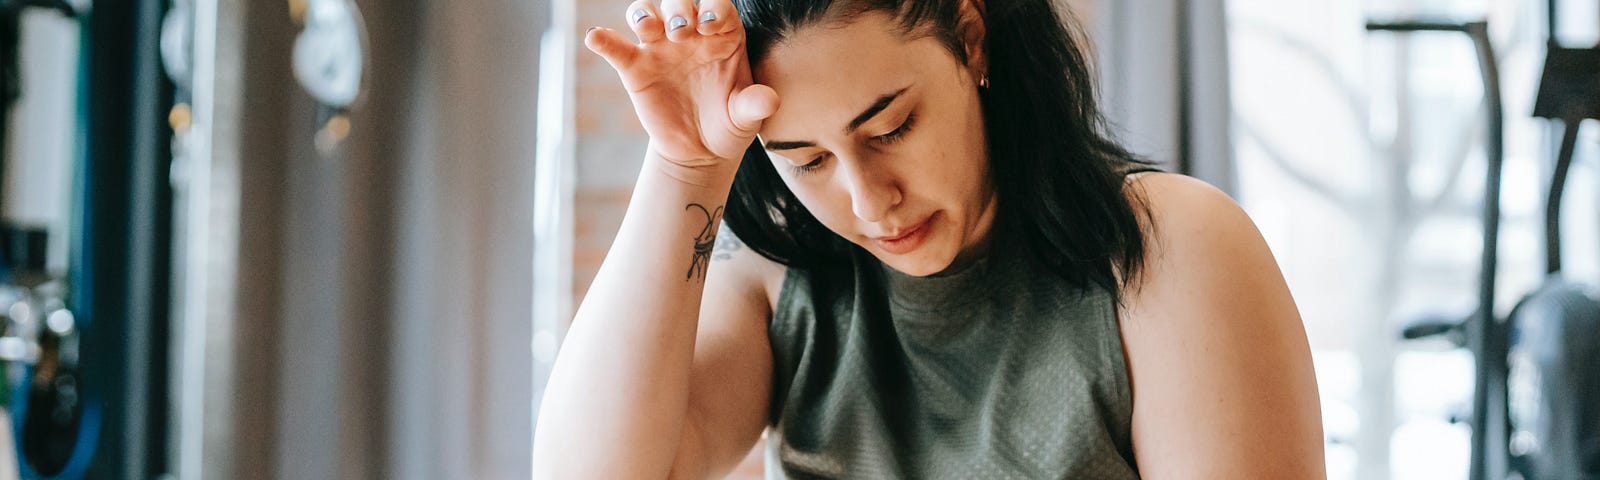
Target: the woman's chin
pixel 916 264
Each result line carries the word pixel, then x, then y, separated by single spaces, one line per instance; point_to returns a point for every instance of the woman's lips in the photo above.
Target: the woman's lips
pixel 907 241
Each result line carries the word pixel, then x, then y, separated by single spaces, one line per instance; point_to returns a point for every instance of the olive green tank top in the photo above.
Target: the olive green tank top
pixel 1000 370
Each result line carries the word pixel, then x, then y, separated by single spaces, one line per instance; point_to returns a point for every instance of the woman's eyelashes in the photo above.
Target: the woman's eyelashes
pixel 886 139
pixel 898 133
pixel 809 167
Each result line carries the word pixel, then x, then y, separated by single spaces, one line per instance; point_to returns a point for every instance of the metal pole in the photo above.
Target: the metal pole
pixel 1488 336
pixel 1490 456
pixel 1550 20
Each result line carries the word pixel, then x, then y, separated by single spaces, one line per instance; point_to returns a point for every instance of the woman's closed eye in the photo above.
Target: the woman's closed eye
pixel 810 167
pixel 886 139
pixel 898 133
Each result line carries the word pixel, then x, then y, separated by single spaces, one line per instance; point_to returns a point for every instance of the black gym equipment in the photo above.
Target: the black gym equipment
pixel 1555 326
pixel 1484 334
pixel 92 401
pixel 48 432
pixel 1558 325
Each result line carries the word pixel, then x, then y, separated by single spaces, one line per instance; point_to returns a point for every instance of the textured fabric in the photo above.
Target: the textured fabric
pixel 998 371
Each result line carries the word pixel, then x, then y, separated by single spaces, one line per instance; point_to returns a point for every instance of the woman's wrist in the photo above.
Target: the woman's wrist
pixel 703 173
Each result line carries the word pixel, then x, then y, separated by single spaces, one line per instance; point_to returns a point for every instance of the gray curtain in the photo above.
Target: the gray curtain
pixel 1164 82
pixel 364 314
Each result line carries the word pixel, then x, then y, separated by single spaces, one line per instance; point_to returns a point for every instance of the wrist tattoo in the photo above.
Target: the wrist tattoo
pixel 703 242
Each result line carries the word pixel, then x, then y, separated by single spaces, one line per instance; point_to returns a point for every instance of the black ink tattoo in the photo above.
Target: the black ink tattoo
pixel 727 243
pixel 704 242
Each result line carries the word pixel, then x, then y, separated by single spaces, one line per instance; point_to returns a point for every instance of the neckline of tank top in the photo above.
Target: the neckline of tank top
pixel 954 289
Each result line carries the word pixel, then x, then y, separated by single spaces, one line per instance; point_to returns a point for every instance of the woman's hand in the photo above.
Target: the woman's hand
pixel 689 80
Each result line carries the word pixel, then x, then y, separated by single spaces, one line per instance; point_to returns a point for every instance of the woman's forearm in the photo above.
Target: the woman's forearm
pixel 616 400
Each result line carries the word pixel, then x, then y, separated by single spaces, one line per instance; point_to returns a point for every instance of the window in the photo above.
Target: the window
pixel 1360 156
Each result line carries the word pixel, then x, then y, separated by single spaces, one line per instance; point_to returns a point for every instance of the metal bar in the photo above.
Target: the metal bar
pixel 1185 89
pixel 1558 183
pixel 1416 27
pixel 10 37
pixel 1490 457
pixel 119 268
pixel 1488 336
pixel 1551 7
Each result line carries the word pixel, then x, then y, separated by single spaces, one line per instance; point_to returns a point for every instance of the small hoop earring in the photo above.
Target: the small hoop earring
pixel 983 82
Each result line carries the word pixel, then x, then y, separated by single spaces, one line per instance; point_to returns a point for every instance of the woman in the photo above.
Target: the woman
pixel 939 266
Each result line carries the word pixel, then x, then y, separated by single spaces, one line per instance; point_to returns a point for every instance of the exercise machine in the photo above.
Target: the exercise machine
pixel 1552 330
pixel 1483 333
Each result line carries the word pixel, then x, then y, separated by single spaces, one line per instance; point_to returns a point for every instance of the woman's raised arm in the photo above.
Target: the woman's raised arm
pixel 618 403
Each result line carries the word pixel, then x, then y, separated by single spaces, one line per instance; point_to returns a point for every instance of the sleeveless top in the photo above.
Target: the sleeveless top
pixel 1000 370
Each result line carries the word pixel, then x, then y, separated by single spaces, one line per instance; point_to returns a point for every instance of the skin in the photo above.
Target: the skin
pixel 1219 365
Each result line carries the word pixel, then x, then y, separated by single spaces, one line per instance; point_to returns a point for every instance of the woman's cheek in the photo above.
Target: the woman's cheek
pixel 816 202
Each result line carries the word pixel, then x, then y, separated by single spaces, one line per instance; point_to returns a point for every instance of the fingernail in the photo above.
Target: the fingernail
pixel 640 14
pixel 590 30
pixel 708 17
pixel 677 23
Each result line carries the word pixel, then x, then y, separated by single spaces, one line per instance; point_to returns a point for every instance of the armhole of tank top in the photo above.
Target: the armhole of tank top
pixel 1123 378
pixel 779 329
pixel 1122 426
pixel 1140 170
pixel 781 306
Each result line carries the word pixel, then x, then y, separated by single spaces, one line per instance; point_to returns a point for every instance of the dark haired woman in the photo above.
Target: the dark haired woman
pixel 944 268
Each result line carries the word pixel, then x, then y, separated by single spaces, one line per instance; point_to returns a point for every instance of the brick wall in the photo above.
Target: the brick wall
pixel 609 146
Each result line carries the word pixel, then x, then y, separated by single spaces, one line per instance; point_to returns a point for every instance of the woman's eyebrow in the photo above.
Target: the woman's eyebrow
pixel 776 146
pixel 873 111
pixel 865 116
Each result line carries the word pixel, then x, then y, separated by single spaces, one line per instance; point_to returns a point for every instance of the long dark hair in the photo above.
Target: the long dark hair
pixel 1058 173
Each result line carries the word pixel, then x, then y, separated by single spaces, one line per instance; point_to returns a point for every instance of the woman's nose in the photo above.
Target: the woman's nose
pixel 873 192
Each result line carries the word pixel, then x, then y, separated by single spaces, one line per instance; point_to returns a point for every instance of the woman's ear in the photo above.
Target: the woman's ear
pixel 971 27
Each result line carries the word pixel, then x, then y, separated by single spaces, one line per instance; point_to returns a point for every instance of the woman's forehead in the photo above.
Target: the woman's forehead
pixel 824 76
pixel 869 44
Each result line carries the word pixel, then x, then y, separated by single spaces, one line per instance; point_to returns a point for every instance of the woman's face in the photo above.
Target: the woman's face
pixel 882 139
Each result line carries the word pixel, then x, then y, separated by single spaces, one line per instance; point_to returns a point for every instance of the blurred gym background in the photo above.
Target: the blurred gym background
pixel 260 239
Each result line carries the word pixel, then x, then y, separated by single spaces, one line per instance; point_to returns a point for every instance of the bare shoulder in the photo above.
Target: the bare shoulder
pixel 1219 363
pixel 744 272
pixel 1189 216
pixel 1203 255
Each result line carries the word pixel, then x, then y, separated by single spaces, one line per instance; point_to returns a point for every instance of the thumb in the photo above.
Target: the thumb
pixel 611 46
pixel 749 107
